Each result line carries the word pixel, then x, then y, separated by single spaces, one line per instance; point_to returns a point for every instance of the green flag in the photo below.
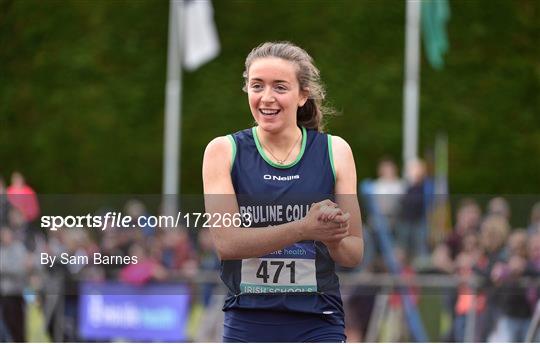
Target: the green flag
pixel 435 14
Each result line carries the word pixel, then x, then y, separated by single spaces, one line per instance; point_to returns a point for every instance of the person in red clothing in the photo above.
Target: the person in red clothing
pixel 145 270
pixel 23 197
pixel 396 329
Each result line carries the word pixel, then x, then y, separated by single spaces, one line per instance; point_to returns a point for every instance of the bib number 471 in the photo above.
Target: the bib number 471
pixel 262 271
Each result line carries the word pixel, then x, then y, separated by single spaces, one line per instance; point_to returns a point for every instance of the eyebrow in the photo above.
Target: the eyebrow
pixel 275 81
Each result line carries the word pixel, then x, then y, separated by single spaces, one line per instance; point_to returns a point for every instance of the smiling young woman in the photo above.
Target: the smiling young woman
pixel 287 174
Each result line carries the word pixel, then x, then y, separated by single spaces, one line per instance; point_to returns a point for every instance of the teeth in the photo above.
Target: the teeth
pixel 269 112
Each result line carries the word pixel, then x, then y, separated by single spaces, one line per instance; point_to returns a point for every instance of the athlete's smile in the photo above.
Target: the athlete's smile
pixel 269 112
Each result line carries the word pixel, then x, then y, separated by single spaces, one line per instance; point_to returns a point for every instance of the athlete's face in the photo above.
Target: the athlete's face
pixel 274 93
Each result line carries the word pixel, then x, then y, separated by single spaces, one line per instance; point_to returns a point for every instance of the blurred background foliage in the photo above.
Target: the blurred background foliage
pixel 82 88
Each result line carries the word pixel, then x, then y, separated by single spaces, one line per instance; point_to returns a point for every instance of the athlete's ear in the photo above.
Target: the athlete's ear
pixel 304 95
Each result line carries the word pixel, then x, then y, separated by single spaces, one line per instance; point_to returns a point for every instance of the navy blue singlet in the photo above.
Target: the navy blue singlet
pixel 299 279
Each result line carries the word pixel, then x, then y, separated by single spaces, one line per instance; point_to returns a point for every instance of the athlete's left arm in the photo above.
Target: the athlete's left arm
pixel 349 251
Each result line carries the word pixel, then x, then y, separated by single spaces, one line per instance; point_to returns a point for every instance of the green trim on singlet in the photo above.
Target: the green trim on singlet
pixel 331 155
pixel 233 143
pixel 270 162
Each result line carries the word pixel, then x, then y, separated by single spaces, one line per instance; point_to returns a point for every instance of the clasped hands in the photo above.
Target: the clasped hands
pixel 325 222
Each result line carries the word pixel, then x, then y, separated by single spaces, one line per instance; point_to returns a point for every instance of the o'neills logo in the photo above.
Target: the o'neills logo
pixel 280 178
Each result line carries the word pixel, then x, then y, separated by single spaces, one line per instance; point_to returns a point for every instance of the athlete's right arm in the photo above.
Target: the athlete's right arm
pixel 239 243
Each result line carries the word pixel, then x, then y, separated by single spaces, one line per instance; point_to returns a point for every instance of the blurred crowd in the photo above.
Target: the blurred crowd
pixel 163 255
pixel 481 244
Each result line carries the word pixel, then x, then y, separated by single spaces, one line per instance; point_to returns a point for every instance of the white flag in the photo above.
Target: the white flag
pixel 201 42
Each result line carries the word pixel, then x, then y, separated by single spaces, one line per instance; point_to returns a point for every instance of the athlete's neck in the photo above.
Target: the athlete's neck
pixel 279 141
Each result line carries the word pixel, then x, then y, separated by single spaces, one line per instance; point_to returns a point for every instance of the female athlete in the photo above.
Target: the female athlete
pixel 296 190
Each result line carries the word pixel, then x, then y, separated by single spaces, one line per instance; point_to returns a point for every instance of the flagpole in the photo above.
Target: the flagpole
pixel 411 83
pixel 173 106
pixel 410 130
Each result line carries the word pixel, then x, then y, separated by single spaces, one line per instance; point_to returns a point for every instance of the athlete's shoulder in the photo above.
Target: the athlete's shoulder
pixel 340 146
pixel 226 146
pixel 342 155
pixel 218 145
pixel 217 150
pixel 216 167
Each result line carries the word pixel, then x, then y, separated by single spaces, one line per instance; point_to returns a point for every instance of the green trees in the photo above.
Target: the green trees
pixel 82 89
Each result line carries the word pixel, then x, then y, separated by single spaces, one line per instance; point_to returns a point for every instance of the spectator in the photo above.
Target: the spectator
pixel 515 310
pixel 210 317
pixel 177 251
pixel 493 233
pixel 462 267
pixel 396 329
pixel 4 204
pixel 499 206
pixel 137 209
pixel 146 269
pixel 208 261
pixel 533 250
pixel 471 246
pixel 388 189
pixel 23 197
pixel 411 232
pixel 118 242
pixel 467 223
pixel 534 225
pixel 532 270
pixel 468 220
pixel 14 265
pixel 465 297
pixel 21 229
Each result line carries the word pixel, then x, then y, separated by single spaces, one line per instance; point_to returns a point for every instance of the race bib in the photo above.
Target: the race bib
pixel 290 270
